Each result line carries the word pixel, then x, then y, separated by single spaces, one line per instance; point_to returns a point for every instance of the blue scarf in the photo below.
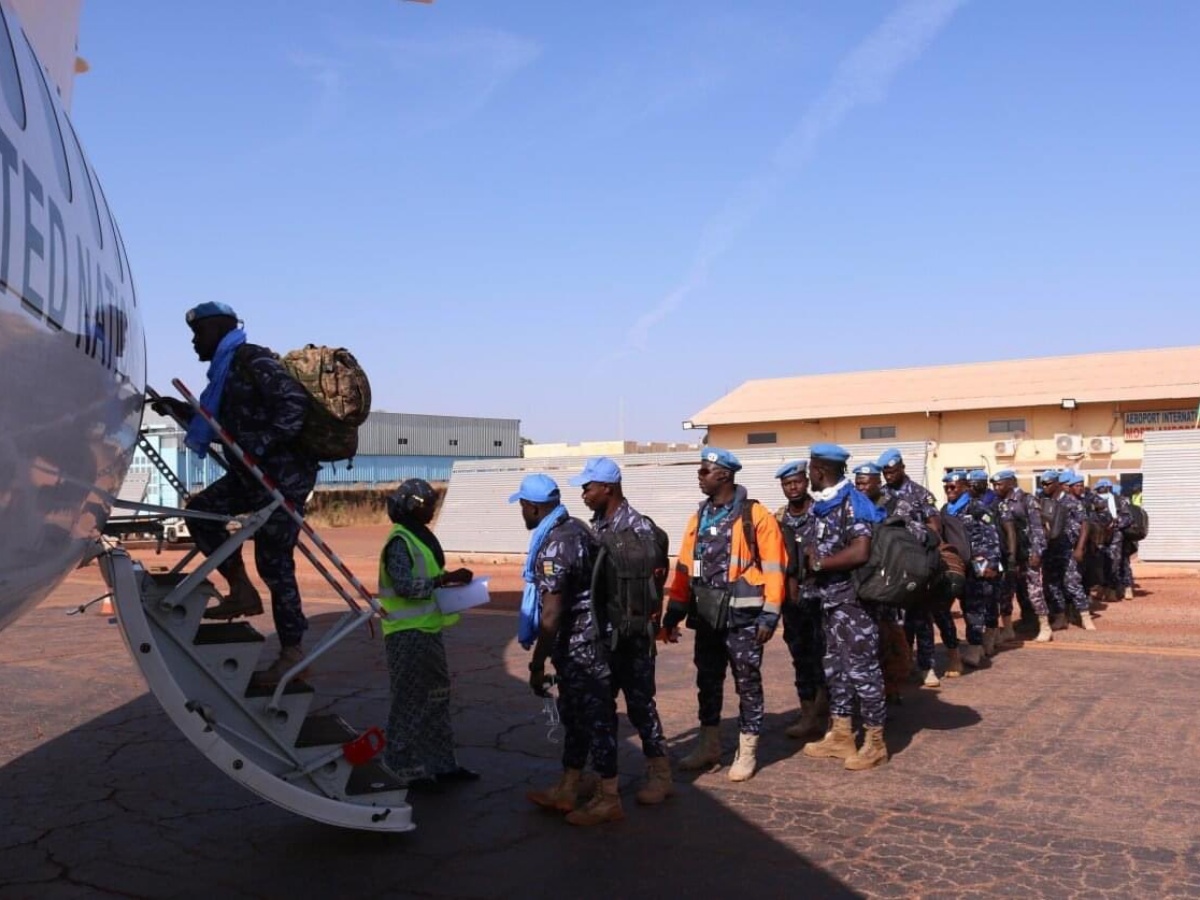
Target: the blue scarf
pixel 199 432
pixel 530 621
pixel 860 504
pixel 958 505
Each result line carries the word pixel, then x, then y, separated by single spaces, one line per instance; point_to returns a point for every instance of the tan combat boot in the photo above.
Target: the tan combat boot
pixel 658 785
pixel 872 753
pixel 745 762
pixel 707 753
pixel 838 742
pixel 930 679
pixel 1129 593
pixel 989 641
pixel 1006 635
pixel 605 806
pixel 973 656
pixel 953 663
pixel 1085 619
pixel 288 657
pixel 1044 635
pixel 563 796
pixel 808 724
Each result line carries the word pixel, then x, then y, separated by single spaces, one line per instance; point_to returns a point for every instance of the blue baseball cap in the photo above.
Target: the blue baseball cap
pixel 208 310
pixel 829 453
pixel 1049 476
pixel 1068 478
pixel 977 475
pixel 868 468
pixel 722 458
pixel 890 457
pixel 1103 483
pixel 1004 475
pixel 598 468
pixel 795 467
pixel 536 489
pixel 950 477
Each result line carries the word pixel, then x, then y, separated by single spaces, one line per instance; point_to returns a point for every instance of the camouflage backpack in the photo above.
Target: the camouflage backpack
pixel 341 399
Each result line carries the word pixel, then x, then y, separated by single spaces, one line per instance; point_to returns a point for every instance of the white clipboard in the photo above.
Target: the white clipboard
pixel 464 597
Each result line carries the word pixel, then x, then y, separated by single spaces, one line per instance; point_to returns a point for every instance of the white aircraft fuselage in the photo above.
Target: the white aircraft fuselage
pixel 72 351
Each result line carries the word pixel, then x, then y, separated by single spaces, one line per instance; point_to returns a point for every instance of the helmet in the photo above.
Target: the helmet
pixel 414 494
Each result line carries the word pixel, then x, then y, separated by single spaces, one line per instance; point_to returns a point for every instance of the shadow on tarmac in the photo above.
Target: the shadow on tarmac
pixel 123 805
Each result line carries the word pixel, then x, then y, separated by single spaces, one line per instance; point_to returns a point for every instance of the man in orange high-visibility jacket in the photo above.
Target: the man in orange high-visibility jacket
pixel 729 583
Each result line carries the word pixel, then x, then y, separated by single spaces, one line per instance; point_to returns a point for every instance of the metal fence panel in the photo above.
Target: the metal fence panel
pixel 1170 482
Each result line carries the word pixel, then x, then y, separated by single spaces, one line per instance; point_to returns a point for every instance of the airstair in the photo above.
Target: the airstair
pixel 261 733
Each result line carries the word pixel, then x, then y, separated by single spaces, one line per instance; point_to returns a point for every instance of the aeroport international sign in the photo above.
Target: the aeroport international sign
pixel 1138 423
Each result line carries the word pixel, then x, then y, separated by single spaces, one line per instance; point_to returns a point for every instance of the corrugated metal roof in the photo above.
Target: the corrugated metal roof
pixel 1168 374
pixel 1170 484
pixel 409 434
pixel 476 516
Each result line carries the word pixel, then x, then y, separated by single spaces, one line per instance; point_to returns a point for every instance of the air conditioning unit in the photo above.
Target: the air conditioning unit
pixel 1100 445
pixel 1068 444
pixel 1004 448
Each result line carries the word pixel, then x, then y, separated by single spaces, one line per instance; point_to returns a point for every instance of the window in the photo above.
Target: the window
pixel 453 442
pixel 403 441
pixel 10 77
pixel 761 437
pixel 876 432
pixel 1005 426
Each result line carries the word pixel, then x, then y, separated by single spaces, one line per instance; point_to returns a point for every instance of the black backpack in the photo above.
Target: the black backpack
pixel 628 579
pixel 1139 528
pixel 1054 518
pixel 902 568
pixel 954 533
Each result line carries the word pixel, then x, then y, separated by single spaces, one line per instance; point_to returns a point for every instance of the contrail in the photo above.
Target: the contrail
pixel 861 78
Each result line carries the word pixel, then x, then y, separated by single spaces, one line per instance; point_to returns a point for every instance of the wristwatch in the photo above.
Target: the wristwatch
pixel 816 566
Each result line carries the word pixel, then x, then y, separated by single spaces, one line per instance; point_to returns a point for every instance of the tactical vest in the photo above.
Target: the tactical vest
pixel 627 581
pixel 406 614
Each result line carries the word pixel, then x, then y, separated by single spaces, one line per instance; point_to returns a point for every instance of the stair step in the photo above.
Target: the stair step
pixel 372 778
pixel 228 633
pixel 261 686
pixel 321 730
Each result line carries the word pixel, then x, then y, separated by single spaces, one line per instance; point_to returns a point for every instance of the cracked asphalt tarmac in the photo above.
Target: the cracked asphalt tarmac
pixel 1064 771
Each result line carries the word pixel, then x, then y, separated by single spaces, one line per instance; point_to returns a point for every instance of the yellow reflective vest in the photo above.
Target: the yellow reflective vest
pixel 411 613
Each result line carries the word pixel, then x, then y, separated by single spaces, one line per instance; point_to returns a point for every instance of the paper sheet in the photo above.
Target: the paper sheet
pixel 458 599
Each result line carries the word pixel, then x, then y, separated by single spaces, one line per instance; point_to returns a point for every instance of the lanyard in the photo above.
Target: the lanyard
pixel 708 527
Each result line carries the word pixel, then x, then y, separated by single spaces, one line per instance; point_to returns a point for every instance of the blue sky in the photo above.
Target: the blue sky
pixel 594 215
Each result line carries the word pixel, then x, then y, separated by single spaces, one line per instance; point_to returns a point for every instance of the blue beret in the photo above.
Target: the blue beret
pixel 889 458
pixel 722 458
pixel 536 489
pixel 829 453
pixel 207 310
pixel 950 477
pixel 1103 483
pixel 598 468
pixel 1068 478
pixel 1004 475
pixel 978 475
pixel 795 467
pixel 867 468
pixel 1049 476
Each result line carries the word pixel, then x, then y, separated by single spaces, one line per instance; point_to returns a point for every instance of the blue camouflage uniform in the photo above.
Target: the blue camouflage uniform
pixel 586 699
pixel 979 605
pixel 917 505
pixel 1024 512
pixel 852 667
pixel 263 408
pixel 802 630
pixel 737 647
pixel 632 659
pixel 1119 559
pixel 1064 577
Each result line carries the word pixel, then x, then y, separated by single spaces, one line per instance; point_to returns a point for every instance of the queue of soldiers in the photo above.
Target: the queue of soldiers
pixel 591 606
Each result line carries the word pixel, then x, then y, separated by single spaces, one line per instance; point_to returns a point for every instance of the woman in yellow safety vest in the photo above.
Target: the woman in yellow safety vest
pixel 420 742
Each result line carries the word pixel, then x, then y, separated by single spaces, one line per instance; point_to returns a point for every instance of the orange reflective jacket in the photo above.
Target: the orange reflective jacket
pixel 750 585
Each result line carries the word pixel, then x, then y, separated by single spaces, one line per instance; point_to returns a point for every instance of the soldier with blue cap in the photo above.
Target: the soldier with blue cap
pixel 263 407
pixel 1120 573
pixel 558 620
pixel 1021 517
pixel 729 584
pixel 802 631
pixel 982 570
pixel 1066 553
pixel 977 480
pixel 628 590
pixel 838 536
pixel 917 506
